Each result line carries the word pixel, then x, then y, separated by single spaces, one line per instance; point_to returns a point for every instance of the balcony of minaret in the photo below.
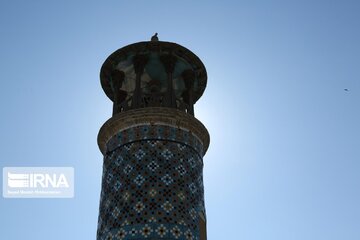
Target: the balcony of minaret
pixel 153 74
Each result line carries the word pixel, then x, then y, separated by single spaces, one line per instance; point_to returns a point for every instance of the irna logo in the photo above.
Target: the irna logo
pixel 38 182
pixel 35 180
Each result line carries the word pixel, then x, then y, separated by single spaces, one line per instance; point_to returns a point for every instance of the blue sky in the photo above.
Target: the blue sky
pixel 284 157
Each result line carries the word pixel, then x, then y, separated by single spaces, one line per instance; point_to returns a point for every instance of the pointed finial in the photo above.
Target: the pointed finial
pixel 155 38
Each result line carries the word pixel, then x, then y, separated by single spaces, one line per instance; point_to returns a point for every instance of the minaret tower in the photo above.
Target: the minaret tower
pixel 153 146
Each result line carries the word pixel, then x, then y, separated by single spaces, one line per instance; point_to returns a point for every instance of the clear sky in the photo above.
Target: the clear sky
pixel 284 157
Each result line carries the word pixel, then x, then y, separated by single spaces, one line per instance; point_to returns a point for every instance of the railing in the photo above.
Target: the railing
pixel 151 100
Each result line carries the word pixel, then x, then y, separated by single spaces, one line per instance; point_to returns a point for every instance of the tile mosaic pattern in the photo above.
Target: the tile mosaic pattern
pixel 152 185
pixel 160 132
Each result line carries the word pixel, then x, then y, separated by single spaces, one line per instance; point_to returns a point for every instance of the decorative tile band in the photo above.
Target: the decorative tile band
pixel 151 188
pixel 155 132
pixel 149 231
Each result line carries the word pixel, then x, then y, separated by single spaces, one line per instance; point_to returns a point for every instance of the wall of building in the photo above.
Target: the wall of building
pixel 152 185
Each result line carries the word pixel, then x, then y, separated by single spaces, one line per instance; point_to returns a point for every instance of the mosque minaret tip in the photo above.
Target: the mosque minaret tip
pixel 153 146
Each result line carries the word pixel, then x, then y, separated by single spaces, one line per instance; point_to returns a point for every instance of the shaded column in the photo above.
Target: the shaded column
pixel 169 62
pixel 139 62
pixel 117 79
pixel 188 96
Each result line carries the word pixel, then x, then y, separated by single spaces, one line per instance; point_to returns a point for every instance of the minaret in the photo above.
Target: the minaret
pixel 153 146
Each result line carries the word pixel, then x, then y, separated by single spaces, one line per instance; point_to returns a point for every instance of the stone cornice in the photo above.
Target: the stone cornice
pixel 152 116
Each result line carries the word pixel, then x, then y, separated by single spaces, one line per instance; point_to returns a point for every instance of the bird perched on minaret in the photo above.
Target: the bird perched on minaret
pixel 155 38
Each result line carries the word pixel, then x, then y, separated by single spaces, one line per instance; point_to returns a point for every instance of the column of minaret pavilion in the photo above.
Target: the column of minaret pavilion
pixel 153 146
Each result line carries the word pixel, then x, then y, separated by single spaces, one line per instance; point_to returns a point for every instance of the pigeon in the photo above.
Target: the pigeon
pixel 155 38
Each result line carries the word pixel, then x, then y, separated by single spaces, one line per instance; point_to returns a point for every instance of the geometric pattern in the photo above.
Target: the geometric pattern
pixel 151 188
pixel 160 132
